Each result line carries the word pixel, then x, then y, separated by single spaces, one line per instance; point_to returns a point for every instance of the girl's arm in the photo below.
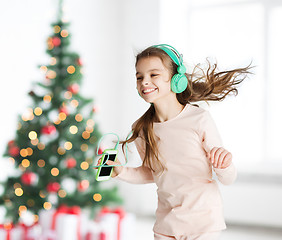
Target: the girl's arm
pixel 220 158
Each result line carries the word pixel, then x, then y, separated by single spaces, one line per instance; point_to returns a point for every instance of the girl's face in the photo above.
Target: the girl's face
pixel 153 80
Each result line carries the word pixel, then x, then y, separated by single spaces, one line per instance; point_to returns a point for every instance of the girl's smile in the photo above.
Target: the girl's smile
pixel 153 80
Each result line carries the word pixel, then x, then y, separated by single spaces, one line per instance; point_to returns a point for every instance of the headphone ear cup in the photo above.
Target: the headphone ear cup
pixel 179 83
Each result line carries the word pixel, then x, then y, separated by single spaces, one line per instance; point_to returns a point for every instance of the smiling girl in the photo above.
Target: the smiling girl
pixel 180 145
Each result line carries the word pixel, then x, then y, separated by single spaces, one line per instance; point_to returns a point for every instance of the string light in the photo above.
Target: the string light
pixel 62 116
pixel 55 171
pixel 61 151
pixel 34 142
pixel 29 151
pixel 42 194
pixel 78 117
pixel 47 98
pixel 41 163
pixel 89 129
pixel 73 129
pixel 35 218
pixel 68 145
pixel 84 165
pixel 64 33
pixel 90 123
pixel 30 202
pixel 41 146
pixel 62 193
pixel 17 185
pixel 50 44
pixel 57 29
pixel 38 111
pixel 32 135
pixel 18 192
pixel 57 122
pixel 86 135
pixel 68 95
pixel 97 197
pixel 43 69
pixel 25 163
pixel 23 152
pixel 51 74
pixel 71 69
pixel 74 103
pixel 47 205
pixel 53 61
pixel 84 147
pixel 12 160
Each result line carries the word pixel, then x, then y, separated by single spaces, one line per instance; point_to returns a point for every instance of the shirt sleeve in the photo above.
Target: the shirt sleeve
pixel 210 139
pixel 138 175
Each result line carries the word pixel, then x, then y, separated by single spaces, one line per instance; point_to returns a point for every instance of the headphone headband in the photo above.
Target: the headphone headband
pixel 171 52
pixel 179 81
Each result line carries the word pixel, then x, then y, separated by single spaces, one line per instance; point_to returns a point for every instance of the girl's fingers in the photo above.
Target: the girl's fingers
pixel 227 160
pixel 221 159
pixel 217 154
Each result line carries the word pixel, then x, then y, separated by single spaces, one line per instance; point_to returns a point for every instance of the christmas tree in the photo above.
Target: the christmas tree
pixel 56 140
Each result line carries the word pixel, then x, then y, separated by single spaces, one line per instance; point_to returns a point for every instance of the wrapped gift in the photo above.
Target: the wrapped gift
pixel 11 232
pixel 96 232
pixel 20 232
pixel 116 224
pixel 61 224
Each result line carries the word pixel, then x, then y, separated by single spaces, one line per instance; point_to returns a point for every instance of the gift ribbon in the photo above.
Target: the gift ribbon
pixel 121 214
pixel 8 227
pixel 63 209
pixel 26 228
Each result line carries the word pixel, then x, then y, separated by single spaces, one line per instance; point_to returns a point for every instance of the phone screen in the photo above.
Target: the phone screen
pixel 106 171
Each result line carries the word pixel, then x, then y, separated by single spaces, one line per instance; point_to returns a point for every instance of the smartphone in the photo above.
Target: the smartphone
pixel 104 173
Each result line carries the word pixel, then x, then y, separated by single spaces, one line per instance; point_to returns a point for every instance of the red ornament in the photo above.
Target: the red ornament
pixel 53 187
pixel 14 151
pixel 64 110
pixel 28 178
pixel 48 129
pixel 56 41
pixel 70 163
pixel 11 143
pixel 83 185
pixel 74 88
pixel 95 109
pixel 79 62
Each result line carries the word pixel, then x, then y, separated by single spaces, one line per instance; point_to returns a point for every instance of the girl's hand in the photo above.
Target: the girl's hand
pixel 117 170
pixel 220 157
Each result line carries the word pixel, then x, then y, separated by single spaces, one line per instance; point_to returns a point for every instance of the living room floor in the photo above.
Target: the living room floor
pixel 144 231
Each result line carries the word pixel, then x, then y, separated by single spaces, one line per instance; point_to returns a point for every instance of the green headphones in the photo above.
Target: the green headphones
pixel 179 81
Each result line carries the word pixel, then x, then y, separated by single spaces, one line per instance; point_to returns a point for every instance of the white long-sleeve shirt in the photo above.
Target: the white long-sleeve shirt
pixel 189 200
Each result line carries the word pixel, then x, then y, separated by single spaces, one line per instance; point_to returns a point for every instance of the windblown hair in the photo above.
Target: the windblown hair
pixel 209 85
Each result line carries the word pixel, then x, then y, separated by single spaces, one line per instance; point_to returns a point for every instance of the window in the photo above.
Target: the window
pixel 233 34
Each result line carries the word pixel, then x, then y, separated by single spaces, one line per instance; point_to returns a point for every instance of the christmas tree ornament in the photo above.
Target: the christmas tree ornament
pixel 74 88
pixel 29 178
pixel 14 151
pixel 53 187
pixel 56 41
pixel 48 129
pixel 70 163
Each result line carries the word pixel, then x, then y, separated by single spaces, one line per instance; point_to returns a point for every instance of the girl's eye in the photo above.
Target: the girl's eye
pixel 154 75
pixel 139 78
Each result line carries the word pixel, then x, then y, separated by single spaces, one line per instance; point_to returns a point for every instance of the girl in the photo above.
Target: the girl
pixel 180 145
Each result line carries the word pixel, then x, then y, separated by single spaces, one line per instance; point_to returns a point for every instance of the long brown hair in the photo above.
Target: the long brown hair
pixel 208 85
